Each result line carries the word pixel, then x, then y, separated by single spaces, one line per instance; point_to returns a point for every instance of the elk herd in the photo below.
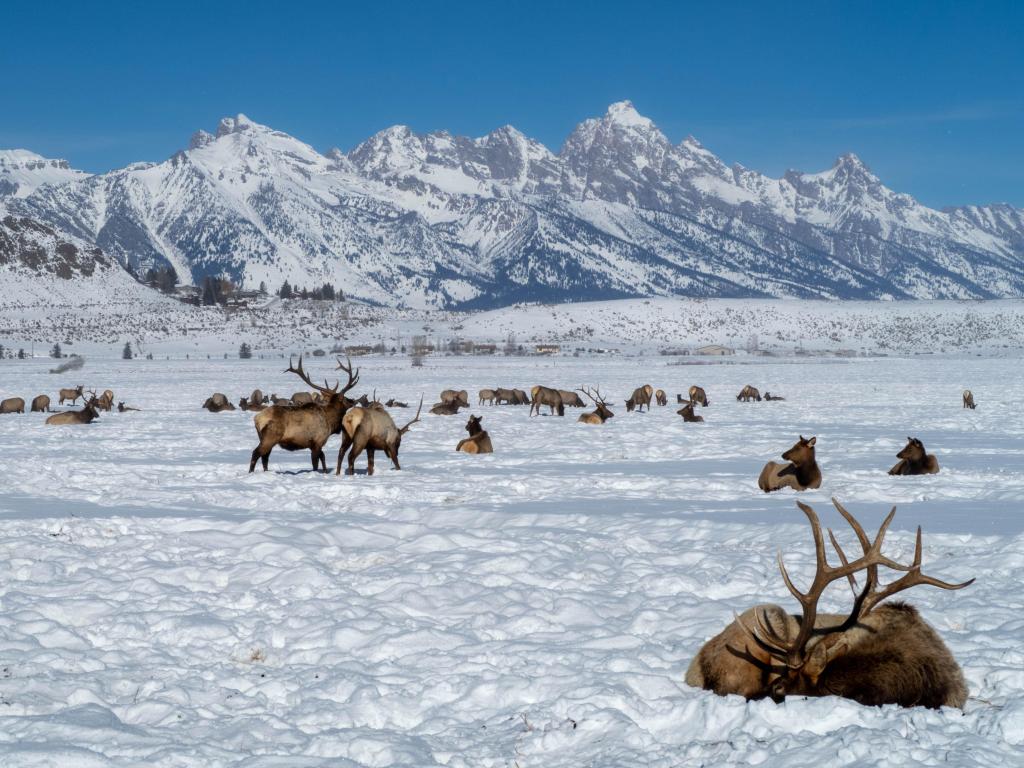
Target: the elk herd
pixel 92 405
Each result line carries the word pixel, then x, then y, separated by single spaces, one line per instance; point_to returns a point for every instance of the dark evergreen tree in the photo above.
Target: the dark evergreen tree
pixel 244 351
pixel 286 290
pixel 126 353
pixel 55 352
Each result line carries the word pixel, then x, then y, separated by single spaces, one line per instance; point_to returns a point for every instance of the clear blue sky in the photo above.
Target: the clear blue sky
pixel 929 94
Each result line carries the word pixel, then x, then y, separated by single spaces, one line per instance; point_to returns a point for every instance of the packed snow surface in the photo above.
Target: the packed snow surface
pixel 160 606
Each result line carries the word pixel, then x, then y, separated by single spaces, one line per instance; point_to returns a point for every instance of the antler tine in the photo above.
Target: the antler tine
pixel 301 373
pixel 353 379
pixel 776 652
pixel 842 558
pixel 405 429
pixel 587 392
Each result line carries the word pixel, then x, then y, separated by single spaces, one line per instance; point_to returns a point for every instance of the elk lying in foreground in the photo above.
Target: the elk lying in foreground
pixel 641 396
pixel 450 408
pixel 878 654
pixel 84 416
pixel 485 397
pixel 460 396
pixel 601 414
pixel 749 393
pixel 688 415
pixel 12 405
pixel 371 430
pixel 218 402
pixel 769 396
pixel 969 399
pixel 122 408
pixel 801 473
pixel 41 404
pixel 72 394
pixel 660 397
pixel 698 396
pixel 478 441
pixel 296 428
pixel 913 460
pixel 571 399
pixel 552 398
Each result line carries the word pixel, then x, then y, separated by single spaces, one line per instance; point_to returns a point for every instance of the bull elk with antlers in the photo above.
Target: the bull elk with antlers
pixel 85 416
pixel 371 430
pixel 602 412
pixel 914 460
pixel 801 473
pixel 478 441
pixel 877 654
pixel 296 428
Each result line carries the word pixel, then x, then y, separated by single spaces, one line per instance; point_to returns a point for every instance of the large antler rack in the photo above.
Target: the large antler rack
pixel 795 653
pixel 419 410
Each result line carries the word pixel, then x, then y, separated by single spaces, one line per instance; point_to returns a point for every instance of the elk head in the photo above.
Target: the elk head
pixel 913 451
pixel 473 425
pixel 332 396
pixel 800 454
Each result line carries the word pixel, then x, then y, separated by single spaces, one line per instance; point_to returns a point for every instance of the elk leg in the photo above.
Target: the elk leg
pixel 369 461
pixel 357 447
pixel 346 441
pixel 255 456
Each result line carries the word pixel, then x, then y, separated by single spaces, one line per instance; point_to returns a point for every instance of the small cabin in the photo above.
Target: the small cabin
pixel 715 350
pixel 547 349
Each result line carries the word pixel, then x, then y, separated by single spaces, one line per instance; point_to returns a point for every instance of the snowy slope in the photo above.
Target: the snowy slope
pixel 438 220
pixel 23 172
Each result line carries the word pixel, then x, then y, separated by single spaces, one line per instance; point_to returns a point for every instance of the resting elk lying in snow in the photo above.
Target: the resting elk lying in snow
pixel 371 430
pixel 688 415
pixel 913 460
pixel 698 396
pixel 641 396
pixel 450 408
pixel 392 403
pixel 12 405
pixel 878 654
pixel 72 394
pixel 749 393
pixel 84 416
pixel 218 402
pixel 296 428
pixel 801 473
pixel 601 414
pixel 969 399
pixel 41 404
pixel 122 408
pixel 478 441
pixel 552 398
pixel 250 405
pixel 769 396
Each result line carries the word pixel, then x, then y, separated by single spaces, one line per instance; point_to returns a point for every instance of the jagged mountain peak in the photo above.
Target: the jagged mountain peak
pixel 625 114
pixel 237 124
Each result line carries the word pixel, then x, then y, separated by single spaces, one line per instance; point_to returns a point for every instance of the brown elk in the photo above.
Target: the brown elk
pixel 486 397
pixel 769 397
pixel 41 404
pixel 72 394
pixel 601 414
pixel 122 408
pixel 275 400
pixel 801 473
pixel 749 393
pixel 250 405
pixel 478 441
pixel 913 460
pixel 878 654
pixel 84 416
pixel 660 397
pixel 688 415
pixel 12 405
pixel 446 409
pixel 105 401
pixel 552 398
pixel 969 399
pixel 218 402
pixel 698 396
pixel 371 430
pixel 505 396
pixel 392 403
pixel 298 427
pixel 521 397
pixel 452 396
pixel 257 397
pixel 571 399
pixel 641 396
pixel 303 398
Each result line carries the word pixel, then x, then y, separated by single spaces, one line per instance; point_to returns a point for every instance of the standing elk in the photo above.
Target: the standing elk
pixel 486 397
pixel 641 396
pixel 521 397
pixel 688 415
pixel 218 402
pixel 552 398
pixel 452 396
pixel 298 427
pixel 72 394
pixel 876 655
pixel 504 396
pixel 913 460
pixel 660 397
pixel 478 441
pixel 801 473
pixel 698 396
pixel 105 401
pixel 571 399
pixel 257 397
pixel 601 414
pixel 969 399
pixel 749 393
pixel 41 404
pixel 84 416
pixel 12 405
pixel 371 430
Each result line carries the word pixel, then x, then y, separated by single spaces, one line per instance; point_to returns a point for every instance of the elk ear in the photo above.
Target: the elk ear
pixel 812 441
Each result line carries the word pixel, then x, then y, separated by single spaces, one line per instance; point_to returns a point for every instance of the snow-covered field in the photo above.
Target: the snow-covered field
pixel 159 606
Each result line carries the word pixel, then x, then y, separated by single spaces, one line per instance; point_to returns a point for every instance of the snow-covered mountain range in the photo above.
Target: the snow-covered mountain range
pixel 437 220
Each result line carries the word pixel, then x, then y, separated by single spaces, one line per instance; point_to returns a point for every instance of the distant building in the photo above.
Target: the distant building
pixel 547 349
pixel 485 349
pixel 715 350
pixel 357 350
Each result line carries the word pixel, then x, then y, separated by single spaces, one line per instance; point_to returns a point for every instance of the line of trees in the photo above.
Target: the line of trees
pixel 326 292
